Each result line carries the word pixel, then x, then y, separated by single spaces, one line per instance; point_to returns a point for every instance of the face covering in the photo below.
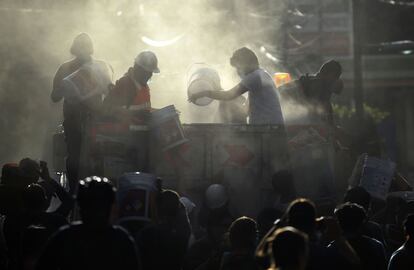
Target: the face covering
pixel 84 58
pixel 241 74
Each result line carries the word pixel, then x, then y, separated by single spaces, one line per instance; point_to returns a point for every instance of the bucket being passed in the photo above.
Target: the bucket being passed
pixel 90 80
pixel 166 126
pixel 136 196
pixel 203 79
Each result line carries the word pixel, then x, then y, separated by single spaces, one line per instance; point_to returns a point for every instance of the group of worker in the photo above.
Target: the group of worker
pixel 129 98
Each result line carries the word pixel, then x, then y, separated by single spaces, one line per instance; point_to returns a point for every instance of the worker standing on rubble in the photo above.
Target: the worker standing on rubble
pixel 263 100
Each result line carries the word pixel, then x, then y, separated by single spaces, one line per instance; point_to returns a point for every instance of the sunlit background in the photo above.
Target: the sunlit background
pixel 288 36
pixel 36 36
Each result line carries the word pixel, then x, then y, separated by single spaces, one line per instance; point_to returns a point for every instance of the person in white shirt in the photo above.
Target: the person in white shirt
pixel 263 100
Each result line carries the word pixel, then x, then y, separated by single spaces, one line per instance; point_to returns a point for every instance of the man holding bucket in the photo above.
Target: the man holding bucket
pixel 127 108
pixel 264 106
pixel 129 100
pixel 76 83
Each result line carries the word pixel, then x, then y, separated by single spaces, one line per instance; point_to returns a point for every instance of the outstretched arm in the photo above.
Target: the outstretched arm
pixel 67 202
pixel 220 95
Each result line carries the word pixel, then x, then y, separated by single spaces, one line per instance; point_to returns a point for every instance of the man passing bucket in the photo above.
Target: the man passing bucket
pixel 129 100
pixel 264 106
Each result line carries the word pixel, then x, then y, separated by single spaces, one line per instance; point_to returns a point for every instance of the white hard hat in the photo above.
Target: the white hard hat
pixel 148 61
pixel 216 196
pixel 188 204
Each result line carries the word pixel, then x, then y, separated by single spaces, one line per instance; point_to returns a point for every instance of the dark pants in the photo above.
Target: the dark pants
pixel 73 138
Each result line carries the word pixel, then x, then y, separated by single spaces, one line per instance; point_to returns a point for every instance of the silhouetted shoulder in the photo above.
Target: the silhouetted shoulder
pixel 373 242
pixel 67 229
pixel 401 259
pixel 121 232
pixel 68 65
pixel 123 81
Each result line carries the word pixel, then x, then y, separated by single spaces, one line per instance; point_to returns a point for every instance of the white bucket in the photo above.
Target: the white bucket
pixel 89 80
pixel 203 79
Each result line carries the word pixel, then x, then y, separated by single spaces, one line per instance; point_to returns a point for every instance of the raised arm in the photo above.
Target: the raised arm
pixel 220 95
pixel 67 202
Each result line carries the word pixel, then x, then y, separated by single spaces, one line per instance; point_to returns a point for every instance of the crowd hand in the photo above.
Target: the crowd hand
pixel 49 184
pixel 45 175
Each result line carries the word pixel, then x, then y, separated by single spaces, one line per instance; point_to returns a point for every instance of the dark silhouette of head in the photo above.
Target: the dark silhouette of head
pixel 95 198
pixel 82 46
pixel 359 196
pixel 289 248
pixel 29 171
pixel 244 60
pixel 169 205
pixel 243 234
pixel 301 214
pixel 409 227
pixel 330 71
pixel 34 199
pixel 351 217
pixel 329 74
pixel 10 174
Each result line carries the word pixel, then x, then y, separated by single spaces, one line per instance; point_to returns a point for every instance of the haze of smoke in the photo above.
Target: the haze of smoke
pixel 36 41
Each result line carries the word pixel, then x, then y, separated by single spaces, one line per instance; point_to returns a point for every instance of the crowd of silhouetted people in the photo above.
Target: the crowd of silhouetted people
pixel 82 232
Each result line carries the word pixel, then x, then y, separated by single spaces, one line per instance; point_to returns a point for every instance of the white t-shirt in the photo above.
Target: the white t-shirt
pixel 264 105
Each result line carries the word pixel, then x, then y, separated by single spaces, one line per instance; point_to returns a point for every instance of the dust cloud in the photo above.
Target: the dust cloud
pixel 36 36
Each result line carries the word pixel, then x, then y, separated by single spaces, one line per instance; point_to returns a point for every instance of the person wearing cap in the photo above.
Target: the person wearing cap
pixel 263 100
pixel 74 111
pixel 129 100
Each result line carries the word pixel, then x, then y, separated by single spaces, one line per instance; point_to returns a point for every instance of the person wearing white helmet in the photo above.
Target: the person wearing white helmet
pixel 215 205
pixel 216 196
pixel 130 100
